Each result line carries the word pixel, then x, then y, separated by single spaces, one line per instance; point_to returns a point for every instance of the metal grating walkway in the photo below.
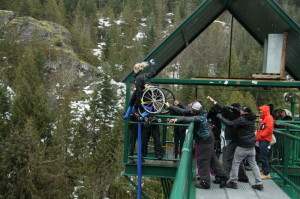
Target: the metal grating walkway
pixel 244 191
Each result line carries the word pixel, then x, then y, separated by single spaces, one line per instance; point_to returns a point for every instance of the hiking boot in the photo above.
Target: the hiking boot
pixel 223 181
pixel 202 185
pixel 231 185
pixel 265 177
pixel 246 180
pixel 217 180
pixel 259 187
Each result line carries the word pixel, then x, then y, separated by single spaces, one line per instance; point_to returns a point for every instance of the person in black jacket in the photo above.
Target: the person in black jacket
pixel 178 109
pixel 215 125
pixel 141 79
pixel 231 113
pixel 207 155
pixel 245 126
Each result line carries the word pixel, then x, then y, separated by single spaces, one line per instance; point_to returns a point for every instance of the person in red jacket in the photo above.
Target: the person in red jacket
pixel 264 137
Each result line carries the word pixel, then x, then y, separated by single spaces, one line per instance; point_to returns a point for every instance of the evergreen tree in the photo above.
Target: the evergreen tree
pixel 55 12
pixel 150 36
pixel 30 102
pixel 24 9
pixel 83 34
pixel 5 123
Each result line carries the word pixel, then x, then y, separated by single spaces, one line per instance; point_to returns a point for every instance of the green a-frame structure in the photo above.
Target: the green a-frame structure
pixel 259 17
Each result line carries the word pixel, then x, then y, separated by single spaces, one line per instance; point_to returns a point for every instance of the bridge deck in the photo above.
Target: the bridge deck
pixel 244 191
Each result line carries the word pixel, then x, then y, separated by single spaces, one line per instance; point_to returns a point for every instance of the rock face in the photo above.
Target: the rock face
pixel 27 30
pixel 5 17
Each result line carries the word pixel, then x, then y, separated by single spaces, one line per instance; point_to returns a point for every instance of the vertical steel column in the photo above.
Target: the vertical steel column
pixel 126 128
pixel 286 153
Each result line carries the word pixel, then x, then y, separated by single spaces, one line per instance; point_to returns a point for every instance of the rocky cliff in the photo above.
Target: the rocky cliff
pixel 56 38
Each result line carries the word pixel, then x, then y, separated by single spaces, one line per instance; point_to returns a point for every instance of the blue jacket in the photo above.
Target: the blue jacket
pixel 201 129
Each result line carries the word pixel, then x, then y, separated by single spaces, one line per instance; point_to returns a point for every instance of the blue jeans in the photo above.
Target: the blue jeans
pixel 264 156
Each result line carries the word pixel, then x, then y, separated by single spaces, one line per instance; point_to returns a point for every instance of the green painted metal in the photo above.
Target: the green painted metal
pixel 157 171
pixel 229 82
pixel 126 134
pixel 258 17
pixel 181 187
pixel 286 157
pixel 181 37
pixel 135 186
pixel 290 191
pixel 293 109
pixel 167 185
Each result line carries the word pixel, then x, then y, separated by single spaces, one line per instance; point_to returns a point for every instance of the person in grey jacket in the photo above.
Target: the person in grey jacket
pixel 207 155
pixel 245 126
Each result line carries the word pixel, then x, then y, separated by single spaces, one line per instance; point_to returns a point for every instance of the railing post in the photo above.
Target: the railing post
pixel 164 135
pixel 286 154
pixel 126 135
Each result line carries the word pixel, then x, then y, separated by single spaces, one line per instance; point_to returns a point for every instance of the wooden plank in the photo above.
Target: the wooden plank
pixel 267 76
pixel 283 56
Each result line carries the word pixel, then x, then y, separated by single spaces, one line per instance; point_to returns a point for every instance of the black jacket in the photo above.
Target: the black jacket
pixel 180 110
pixel 245 129
pixel 230 113
pixel 140 80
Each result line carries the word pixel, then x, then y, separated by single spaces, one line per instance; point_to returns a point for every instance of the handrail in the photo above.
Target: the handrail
pixel 287 149
pixel 183 177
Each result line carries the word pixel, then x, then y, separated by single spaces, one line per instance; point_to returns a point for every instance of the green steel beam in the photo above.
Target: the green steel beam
pixel 157 171
pixel 229 82
pixel 135 186
pixel 126 133
pixel 284 15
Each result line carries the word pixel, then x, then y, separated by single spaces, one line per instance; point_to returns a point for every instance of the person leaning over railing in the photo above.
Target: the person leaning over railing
pixel 245 130
pixel 231 113
pixel 178 109
pixel 207 155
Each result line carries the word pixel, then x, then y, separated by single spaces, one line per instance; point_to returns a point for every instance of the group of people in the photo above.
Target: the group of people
pixel 240 143
pixel 240 135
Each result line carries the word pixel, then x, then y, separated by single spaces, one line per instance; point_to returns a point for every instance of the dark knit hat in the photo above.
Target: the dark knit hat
pixel 246 108
pixel 237 105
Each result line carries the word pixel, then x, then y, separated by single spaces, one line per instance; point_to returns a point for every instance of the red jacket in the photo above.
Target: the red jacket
pixel 266 125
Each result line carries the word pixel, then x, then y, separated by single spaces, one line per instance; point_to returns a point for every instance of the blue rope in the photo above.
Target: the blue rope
pixel 139 165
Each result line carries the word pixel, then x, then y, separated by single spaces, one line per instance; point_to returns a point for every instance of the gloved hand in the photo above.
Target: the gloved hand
pixel 130 109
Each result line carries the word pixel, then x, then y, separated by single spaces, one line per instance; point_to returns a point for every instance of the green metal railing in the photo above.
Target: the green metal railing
pixel 181 186
pixel 286 153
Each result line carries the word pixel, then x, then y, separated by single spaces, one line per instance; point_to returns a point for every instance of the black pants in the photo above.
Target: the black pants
pixel 133 134
pixel 217 145
pixel 152 130
pixel 208 159
pixel 179 136
pixel 228 154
